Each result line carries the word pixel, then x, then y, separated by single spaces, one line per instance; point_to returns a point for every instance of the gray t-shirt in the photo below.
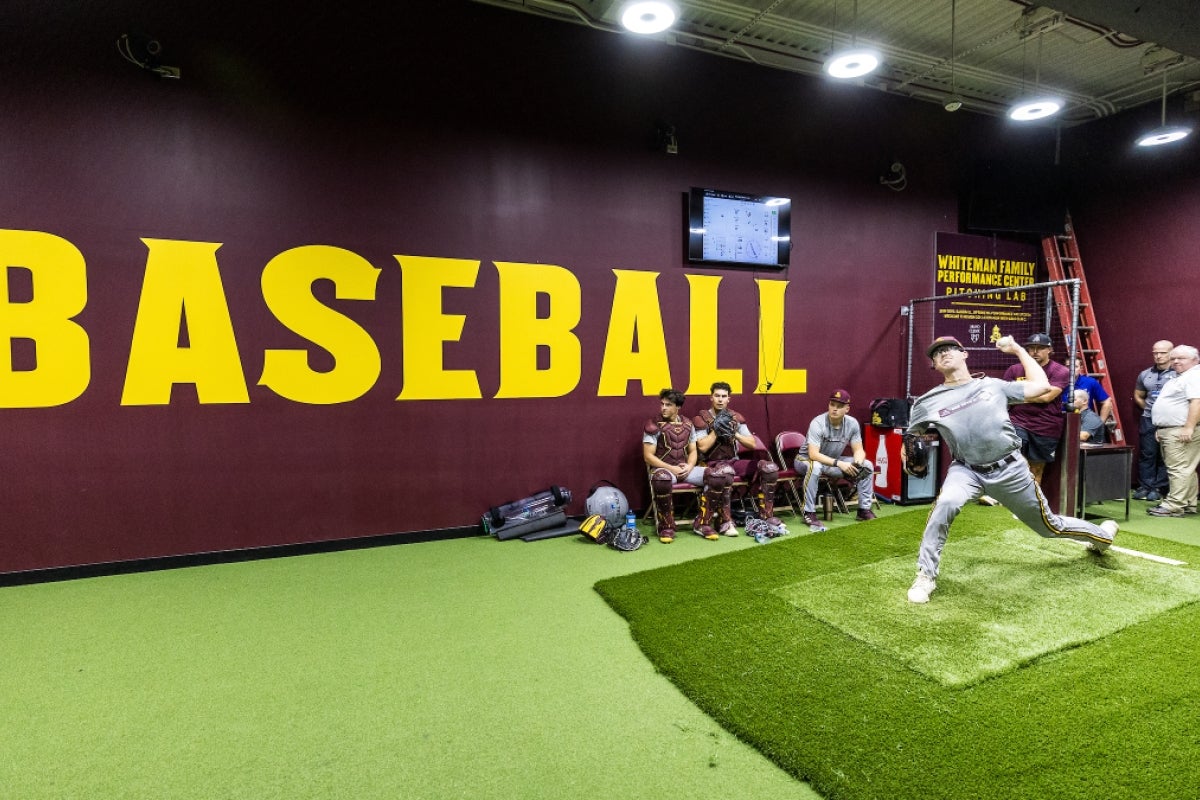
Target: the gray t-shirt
pixel 1089 423
pixel 833 441
pixel 971 418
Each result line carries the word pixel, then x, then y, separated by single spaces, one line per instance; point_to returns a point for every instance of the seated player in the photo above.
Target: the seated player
pixel 828 437
pixel 669 450
pixel 719 431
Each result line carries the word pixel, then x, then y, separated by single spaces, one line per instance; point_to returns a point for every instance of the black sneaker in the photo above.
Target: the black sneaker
pixel 1141 493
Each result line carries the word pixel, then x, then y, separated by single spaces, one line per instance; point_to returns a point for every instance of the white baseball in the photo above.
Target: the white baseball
pixel 1004 341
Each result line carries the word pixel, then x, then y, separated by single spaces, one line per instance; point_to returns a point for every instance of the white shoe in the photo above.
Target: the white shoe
pixel 1110 527
pixel 922 587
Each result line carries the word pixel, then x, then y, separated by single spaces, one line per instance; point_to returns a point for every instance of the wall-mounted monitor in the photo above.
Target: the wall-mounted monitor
pixel 1017 198
pixel 736 228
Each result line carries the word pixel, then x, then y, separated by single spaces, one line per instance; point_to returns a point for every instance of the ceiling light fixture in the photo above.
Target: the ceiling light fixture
pixel 854 61
pixel 648 16
pixel 953 102
pixel 1039 106
pixel 1164 133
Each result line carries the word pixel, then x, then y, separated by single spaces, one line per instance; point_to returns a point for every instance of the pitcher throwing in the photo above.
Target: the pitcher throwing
pixel 971 415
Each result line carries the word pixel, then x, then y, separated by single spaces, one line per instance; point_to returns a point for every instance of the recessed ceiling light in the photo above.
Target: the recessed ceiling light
pixel 648 16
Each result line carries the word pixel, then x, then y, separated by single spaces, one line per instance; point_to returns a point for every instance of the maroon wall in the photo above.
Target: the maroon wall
pixel 1135 212
pixel 513 139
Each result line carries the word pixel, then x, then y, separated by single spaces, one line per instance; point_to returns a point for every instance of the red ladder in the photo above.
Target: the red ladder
pixel 1061 252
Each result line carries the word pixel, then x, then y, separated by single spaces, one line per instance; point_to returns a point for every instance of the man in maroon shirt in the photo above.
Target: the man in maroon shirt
pixel 1039 422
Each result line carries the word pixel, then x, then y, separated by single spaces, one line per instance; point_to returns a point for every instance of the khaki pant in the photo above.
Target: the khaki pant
pixel 1181 459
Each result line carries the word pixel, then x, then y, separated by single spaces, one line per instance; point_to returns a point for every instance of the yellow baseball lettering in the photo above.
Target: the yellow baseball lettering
pixel 634 322
pixel 703 367
pixel 287 290
pixel 522 332
pixel 771 343
pixel 426 328
pixel 182 291
pixel 58 278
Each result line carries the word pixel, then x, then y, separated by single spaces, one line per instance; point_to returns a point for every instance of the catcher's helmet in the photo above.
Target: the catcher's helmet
pixel 610 503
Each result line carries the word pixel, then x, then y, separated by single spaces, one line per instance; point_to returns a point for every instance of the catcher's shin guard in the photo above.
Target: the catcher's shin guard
pixel 723 477
pixel 714 501
pixel 766 480
pixel 662 481
pixel 710 501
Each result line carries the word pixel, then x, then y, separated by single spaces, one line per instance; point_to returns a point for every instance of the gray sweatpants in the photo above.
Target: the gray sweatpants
pixel 1014 487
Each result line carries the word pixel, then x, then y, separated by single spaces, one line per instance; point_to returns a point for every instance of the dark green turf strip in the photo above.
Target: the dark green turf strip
pixel 1113 718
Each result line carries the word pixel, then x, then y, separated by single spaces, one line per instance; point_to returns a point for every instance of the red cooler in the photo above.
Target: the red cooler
pixel 883 446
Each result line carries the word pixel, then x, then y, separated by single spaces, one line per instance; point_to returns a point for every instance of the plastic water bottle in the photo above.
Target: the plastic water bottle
pixel 631 521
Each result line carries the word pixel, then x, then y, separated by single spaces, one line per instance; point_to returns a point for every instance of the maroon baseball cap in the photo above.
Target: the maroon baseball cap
pixel 942 341
pixel 841 395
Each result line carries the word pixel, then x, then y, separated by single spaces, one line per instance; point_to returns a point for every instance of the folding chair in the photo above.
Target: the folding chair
pixel 683 513
pixel 787 445
pixel 787 476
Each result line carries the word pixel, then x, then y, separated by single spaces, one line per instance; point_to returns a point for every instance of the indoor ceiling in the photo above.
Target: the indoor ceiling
pixel 1100 56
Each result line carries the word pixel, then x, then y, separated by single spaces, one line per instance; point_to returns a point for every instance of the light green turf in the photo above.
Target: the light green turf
pixel 459 669
pixel 1114 718
pixel 1010 598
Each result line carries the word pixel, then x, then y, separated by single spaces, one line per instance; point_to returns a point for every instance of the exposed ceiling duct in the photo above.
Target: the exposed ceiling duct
pixel 1100 56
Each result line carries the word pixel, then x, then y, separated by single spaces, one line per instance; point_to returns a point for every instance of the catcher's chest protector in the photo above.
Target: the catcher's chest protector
pixel 673 439
pixel 724 449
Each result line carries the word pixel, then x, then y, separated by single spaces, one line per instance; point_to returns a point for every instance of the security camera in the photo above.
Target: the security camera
pixel 145 52
pixel 896 178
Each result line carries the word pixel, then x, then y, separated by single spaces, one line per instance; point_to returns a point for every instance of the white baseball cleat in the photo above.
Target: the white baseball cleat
pixel 1110 527
pixel 922 587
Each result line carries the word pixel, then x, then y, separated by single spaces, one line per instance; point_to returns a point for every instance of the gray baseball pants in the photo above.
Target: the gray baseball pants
pixel 1011 484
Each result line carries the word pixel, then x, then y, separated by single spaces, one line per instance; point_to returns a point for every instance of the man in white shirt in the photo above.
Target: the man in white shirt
pixel 1176 413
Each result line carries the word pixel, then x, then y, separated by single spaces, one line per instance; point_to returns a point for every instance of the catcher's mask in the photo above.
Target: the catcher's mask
pixel 609 502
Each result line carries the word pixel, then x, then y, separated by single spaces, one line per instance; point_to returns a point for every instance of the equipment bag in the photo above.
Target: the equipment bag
pixel 889 412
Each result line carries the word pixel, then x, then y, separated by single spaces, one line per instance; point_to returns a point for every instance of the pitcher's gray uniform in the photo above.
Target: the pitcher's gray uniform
pixel 972 419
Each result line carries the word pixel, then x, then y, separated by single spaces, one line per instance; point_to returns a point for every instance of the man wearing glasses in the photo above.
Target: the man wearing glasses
pixel 1152 471
pixel 971 415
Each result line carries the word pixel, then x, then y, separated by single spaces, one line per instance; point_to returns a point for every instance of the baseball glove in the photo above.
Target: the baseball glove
pixel 597 529
pixel 916 455
pixel 724 424
pixel 626 539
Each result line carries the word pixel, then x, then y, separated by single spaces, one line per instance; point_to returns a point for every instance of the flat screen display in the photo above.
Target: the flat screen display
pixel 737 228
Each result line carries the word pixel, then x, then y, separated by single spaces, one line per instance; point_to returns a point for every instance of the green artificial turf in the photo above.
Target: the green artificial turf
pixel 468 668
pixel 1096 696
pixel 1010 598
